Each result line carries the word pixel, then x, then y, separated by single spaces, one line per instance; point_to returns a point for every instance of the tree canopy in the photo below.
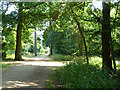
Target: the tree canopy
pixel 70 28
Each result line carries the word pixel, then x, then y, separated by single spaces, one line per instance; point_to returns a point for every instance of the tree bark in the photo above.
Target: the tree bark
pixel 106 37
pixel 19 34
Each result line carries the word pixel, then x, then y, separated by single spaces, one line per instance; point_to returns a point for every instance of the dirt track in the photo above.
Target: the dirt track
pixel 31 73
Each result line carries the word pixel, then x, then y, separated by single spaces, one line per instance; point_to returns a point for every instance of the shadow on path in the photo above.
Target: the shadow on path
pixel 31 73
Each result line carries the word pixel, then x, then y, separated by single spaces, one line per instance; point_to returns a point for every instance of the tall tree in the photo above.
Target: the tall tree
pixel 106 37
pixel 35 45
pixel 28 15
pixel 19 32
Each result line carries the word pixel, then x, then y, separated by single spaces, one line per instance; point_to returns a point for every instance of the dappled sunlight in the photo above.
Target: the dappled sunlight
pixel 36 63
pixel 43 63
pixel 19 84
pixel 42 60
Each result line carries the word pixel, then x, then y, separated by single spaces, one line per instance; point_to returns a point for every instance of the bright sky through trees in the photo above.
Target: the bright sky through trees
pixel 10 9
pixel 97 4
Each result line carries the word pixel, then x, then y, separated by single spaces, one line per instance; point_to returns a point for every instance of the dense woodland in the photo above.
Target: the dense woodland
pixel 78 29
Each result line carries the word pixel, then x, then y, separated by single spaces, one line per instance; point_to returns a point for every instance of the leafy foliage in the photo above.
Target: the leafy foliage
pixel 58 57
pixel 81 75
pixel 57 21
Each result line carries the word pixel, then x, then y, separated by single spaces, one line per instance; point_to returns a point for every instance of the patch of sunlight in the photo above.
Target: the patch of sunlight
pixel 54 68
pixel 47 80
pixel 11 62
pixel 18 84
pixel 42 63
pixel 96 61
pixel 36 63
pixel 118 64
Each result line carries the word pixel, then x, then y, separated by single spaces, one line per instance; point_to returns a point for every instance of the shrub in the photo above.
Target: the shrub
pixel 60 57
pixel 81 75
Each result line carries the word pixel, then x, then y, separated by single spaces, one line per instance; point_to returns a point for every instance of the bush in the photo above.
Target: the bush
pixel 81 75
pixel 60 57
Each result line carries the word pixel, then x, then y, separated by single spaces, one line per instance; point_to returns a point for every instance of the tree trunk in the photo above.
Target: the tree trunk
pixel 51 38
pixel 80 31
pixel 19 34
pixel 80 46
pixel 50 47
pixel 35 45
pixel 106 37
pixel 86 53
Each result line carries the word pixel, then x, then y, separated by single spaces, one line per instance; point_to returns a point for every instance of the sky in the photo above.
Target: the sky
pixel 97 4
pixel 10 9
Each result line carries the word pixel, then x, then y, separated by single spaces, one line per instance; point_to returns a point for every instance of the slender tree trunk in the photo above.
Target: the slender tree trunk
pixel 35 45
pixel 106 37
pixel 80 46
pixel 51 51
pixel 81 33
pixel 19 34
pixel 50 47
pixel 83 41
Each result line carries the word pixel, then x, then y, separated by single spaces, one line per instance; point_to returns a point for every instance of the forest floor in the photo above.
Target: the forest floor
pixel 31 73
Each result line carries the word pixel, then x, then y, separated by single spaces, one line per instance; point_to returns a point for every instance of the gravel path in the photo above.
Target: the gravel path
pixel 28 74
